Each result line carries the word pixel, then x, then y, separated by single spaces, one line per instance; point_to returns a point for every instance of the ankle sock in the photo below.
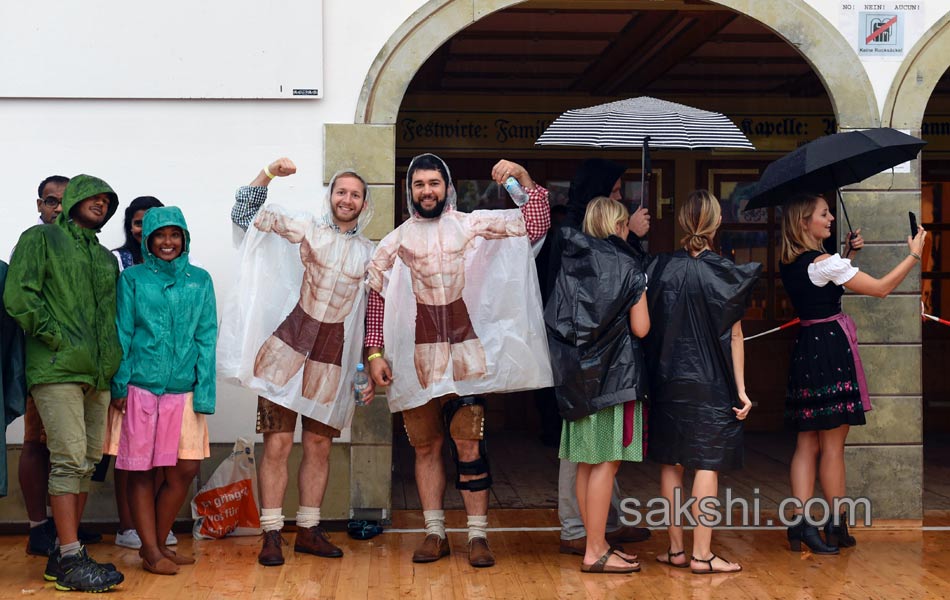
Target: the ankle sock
pixel 435 522
pixel 49 512
pixel 477 526
pixel 272 519
pixel 70 549
pixel 308 516
pixel 38 523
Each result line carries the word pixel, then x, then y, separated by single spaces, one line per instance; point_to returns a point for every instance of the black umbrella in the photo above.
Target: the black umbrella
pixel 831 162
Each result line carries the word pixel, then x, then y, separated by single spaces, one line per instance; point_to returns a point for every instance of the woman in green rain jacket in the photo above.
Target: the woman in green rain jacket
pixel 166 381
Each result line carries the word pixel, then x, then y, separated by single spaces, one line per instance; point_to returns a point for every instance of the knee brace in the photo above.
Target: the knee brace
pixel 461 415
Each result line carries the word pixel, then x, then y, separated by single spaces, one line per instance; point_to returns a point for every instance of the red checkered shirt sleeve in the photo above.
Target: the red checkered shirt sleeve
pixel 537 213
pixel 375 309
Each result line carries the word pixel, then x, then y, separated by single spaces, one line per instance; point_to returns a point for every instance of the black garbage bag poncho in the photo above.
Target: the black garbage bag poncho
pixel 694 302
pixel 596 360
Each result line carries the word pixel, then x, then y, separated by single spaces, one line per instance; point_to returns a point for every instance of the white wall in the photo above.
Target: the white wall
pixel 194 153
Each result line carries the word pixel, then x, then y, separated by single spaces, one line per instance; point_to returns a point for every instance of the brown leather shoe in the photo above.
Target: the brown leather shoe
pixel 628 534
pixel 314 540
pixel 432 549
pixel 271 554
pixel 479 554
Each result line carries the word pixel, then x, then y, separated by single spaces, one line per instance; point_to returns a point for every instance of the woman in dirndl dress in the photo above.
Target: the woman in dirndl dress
pixel 826 392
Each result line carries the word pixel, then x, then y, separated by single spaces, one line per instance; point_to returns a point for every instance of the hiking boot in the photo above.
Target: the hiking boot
pixel 42 540
pixel 82 574
pixel 271 554
pixel 479 554
pixel 432 549
pixel 53 572
pixel 314 540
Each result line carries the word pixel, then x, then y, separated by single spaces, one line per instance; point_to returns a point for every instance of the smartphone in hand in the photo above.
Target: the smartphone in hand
pixel 913 224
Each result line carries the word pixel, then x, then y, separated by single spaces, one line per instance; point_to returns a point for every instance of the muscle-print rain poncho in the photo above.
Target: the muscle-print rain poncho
pixel 463 309
pixel 293 328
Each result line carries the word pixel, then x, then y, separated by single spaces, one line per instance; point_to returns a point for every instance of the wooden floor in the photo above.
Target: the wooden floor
pixel 525 473
pixel 887 564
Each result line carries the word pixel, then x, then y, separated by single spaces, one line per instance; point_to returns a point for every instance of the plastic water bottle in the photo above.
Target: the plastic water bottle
pixel 517 193
pixel 360 383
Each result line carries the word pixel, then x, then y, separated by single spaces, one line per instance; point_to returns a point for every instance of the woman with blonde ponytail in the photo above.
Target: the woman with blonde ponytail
pixel 698 401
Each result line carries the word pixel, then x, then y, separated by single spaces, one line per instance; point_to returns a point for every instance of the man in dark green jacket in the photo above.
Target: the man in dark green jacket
pixel 61 289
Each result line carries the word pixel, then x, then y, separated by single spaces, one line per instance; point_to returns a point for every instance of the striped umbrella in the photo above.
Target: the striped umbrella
pixel 626 123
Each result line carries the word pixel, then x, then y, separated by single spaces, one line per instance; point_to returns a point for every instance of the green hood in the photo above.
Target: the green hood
pixel 81 187
pixel 155 219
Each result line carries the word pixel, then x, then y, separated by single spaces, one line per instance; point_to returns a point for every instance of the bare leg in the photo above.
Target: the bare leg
pixel 320 381
pixel 170 497
pixel 66 513
pixel 831 468
pixel 580 489
pixel 142 497
pixel 273 471
pixel 314 468
pixel 803 467
pixel 600 484
pixel 706 485
pixel 431 362
pixel 468 360
pixel 430 475
pixel 671 479
pixel 121 479
pixel 277 362
pixel 476 503
pixel 34 479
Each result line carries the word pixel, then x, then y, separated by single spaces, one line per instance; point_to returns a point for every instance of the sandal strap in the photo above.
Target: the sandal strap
pixel 671 554
pixel 708 561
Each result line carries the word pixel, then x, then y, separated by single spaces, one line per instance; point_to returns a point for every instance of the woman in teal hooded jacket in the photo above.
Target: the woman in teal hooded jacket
pixel 165 384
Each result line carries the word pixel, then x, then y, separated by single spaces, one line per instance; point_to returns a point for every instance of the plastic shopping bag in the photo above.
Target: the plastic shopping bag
pixel 227 503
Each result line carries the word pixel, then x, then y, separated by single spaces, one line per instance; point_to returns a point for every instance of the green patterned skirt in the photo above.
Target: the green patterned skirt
pixel 598 437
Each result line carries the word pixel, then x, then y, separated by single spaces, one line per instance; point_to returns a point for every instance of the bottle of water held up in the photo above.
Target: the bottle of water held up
pixel 517 193
pixel 360 383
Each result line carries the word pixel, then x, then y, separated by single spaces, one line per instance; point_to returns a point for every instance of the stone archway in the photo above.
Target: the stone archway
pixel 917 77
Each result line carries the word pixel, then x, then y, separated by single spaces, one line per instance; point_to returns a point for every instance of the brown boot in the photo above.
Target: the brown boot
pixel 432 549
pixel 314 540
pixel 479 554
pixel 271 554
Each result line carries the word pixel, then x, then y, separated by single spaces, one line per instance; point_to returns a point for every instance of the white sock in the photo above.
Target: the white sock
pixel 477 526
pixel 49 511
pixel 435 522
pixel 308 516
pixel 37 523
pixel 70 549
pixel 272 519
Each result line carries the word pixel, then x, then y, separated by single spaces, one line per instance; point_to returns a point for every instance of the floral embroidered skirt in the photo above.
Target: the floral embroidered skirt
pixel 822 391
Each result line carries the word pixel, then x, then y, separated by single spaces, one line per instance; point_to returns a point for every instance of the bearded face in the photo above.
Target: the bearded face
pixel 428 193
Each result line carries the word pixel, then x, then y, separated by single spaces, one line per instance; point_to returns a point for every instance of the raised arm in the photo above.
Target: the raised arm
pixel 270 220
pixel 537 210
pixel 249 198
pixel 862 283
pixel 738 371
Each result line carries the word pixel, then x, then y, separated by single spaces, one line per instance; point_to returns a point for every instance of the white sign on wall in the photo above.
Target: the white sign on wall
pixel 167 49
pixel 882 30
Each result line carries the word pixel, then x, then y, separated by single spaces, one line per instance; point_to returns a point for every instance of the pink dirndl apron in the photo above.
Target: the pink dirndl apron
pixel 851 333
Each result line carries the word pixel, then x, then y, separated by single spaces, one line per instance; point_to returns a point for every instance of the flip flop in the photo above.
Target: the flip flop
pixel 711 569
pixel 601 565
pixel 669 560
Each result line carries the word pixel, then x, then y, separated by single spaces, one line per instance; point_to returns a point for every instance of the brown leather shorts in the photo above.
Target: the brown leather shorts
pixel 424 424
pixel 447 323
pixel 33 430
pixel 322 342
pixel 274 418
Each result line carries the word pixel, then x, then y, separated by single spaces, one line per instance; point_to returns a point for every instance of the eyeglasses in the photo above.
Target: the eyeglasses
pixel 51 201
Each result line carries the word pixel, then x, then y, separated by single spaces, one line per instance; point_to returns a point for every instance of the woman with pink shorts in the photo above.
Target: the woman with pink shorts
pixel 165 384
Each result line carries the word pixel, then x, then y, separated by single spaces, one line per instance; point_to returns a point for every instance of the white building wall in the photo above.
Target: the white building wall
pixel 194 153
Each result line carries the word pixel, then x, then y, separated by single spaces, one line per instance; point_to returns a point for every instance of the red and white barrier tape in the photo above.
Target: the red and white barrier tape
pixel 794 321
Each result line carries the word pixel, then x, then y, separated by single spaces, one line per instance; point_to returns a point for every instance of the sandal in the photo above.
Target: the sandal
pixel 601 565
pixel 669 559
pixel 711 569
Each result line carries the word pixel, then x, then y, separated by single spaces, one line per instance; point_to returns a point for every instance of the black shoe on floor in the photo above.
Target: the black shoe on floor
pixel 42 540
pixel 53 572
pixel 82 574
pixel 87 536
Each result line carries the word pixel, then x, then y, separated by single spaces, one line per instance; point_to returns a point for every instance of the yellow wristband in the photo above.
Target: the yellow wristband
pixel 374 356
pixel 268 173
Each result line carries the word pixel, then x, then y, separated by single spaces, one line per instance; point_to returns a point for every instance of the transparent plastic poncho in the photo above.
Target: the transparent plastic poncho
pixel 463 308
pixel 292 330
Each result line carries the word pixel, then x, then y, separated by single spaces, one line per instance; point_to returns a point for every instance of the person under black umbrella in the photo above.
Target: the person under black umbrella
pixel 826 392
